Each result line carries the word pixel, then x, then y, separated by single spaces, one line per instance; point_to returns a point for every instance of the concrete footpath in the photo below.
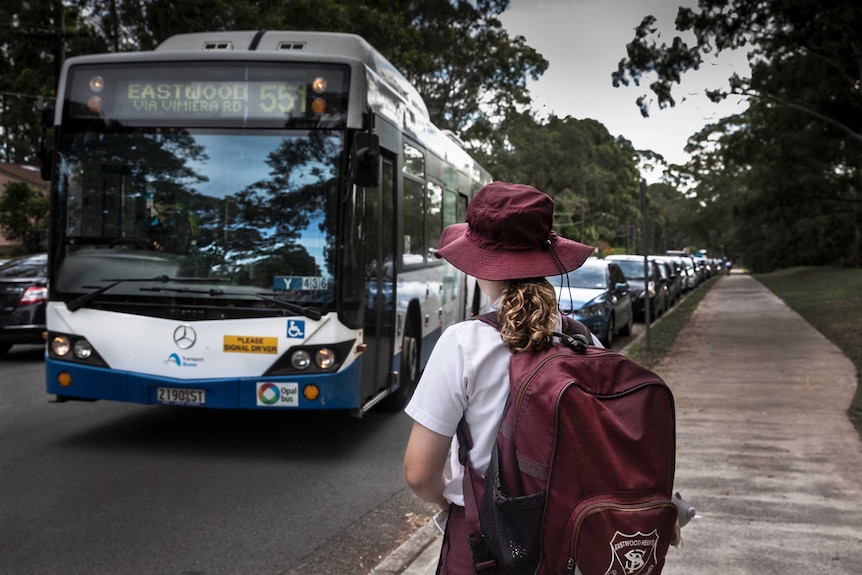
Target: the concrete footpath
pixel 765 451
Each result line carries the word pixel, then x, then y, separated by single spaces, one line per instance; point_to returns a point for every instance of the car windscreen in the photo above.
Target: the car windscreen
pixel 592 277
pixel 633 269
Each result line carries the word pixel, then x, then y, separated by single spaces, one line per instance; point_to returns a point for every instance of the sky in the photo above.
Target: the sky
pixel 584 40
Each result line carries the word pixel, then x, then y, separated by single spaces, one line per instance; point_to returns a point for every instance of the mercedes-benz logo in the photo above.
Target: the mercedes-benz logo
pixel 185 337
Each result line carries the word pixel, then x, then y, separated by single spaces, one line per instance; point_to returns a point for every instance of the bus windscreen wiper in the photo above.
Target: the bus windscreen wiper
pixel 309 312
pixel 83 300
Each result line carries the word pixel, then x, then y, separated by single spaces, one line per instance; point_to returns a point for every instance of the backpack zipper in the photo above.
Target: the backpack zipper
pixel 523 387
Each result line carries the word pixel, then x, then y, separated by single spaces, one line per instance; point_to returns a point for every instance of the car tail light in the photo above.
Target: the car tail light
pixel 34 294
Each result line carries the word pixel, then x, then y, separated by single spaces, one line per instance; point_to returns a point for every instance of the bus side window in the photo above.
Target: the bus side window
pixel 414 206
pixel 414 240
pixel 433 217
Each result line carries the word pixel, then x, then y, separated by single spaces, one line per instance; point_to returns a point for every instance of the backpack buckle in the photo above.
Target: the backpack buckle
pixel 482 558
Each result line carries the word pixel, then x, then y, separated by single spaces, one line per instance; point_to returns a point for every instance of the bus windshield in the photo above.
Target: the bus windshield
pixel 249 212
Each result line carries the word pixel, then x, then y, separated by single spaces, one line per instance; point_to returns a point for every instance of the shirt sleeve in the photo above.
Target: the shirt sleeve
pixel 440 399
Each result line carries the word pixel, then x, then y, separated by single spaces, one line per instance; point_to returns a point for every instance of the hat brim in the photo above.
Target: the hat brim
pixel 563 256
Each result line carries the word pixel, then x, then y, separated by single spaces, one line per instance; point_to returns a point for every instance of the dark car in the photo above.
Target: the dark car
pixel 597 295
pixel 633 268
pixel 24 292
pixel 672 275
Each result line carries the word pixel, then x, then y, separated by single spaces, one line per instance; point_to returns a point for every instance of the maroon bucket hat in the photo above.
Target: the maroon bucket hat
pixel 508 236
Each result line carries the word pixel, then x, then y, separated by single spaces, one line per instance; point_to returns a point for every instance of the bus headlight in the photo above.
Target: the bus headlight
pixel 325 358
pixel 300 359
pixel 60 345
pixel 312 359
pixel 82 349
pixel 74 349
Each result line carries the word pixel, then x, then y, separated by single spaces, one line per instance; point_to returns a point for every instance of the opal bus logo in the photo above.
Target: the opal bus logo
pixel 277 394
pixel 268 394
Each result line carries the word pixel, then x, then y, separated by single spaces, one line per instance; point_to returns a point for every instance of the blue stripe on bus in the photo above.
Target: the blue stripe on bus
pixel 337 390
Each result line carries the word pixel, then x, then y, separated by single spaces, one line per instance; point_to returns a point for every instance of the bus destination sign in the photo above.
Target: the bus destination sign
pixel 208 92
pixel 212 99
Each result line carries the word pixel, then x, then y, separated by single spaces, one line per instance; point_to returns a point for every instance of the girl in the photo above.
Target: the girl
pixel 509 246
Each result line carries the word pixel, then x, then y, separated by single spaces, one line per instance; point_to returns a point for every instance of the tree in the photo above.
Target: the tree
pixel 806 79
pixel 774 31
pixel 467 68
pixel 34 41
pixel 24 216
pixel 592 176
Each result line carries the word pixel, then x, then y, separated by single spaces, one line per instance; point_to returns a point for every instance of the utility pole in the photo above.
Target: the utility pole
pixel 646 266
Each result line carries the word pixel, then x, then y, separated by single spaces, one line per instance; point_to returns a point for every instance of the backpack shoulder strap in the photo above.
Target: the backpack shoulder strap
pixel 490 318
pixel 574 327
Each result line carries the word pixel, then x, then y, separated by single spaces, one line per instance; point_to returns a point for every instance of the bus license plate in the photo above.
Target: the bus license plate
pixel 180 396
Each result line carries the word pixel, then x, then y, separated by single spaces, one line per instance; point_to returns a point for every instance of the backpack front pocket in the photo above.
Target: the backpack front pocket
pixel 607 536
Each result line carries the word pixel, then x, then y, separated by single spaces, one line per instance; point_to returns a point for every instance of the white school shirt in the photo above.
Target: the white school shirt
pixel 467 374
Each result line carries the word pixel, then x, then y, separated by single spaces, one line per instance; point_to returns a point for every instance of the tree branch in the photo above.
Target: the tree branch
pixel 844 128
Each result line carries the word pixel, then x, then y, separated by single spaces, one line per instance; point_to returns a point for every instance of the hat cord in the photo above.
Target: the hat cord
pixel 549 246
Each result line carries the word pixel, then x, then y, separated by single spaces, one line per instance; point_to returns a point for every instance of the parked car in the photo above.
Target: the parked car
pixel 598 295
pixel 23 293
pixel 674 278
pixel 689 280
pixel 664 285
pixel 633 268
pixel 696 271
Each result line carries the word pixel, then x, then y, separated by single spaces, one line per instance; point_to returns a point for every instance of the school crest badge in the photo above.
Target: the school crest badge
pixel 633 554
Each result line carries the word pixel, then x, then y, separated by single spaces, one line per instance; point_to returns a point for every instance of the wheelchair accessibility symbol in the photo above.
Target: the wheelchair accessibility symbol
pixel 296 328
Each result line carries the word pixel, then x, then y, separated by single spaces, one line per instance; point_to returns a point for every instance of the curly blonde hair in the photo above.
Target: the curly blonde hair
pixel 527 314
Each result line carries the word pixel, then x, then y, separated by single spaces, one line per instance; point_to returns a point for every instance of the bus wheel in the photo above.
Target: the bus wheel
pixel 408 376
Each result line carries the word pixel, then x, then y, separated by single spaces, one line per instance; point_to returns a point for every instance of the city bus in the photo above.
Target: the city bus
pixel 248 220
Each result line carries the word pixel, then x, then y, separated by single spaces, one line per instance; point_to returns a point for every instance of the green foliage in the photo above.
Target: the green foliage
pixel 592 176
pixel 773 32
pixel 456 52
pixel 35 39
pixel 24 216
pixel 785 177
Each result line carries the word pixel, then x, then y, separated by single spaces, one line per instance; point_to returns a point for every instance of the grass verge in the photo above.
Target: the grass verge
pixel 830 299
pixel 663 334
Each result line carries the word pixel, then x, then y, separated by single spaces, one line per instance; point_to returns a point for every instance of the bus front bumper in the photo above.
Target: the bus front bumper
pixel 338 390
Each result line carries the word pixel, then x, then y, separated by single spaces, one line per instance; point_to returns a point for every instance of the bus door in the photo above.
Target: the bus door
pixel 455 282
pixel 454 287
pixel 379 328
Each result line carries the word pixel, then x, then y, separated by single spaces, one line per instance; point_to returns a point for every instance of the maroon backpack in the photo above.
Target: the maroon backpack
pixel 581 477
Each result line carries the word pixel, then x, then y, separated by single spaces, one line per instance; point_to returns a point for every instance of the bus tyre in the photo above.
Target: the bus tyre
pixel 408 375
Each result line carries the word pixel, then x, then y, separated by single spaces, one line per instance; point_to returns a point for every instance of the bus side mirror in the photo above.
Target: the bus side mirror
pixel 365 163
pixel 46 143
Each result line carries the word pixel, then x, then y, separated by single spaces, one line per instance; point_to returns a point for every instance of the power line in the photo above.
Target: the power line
pixel 20 95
